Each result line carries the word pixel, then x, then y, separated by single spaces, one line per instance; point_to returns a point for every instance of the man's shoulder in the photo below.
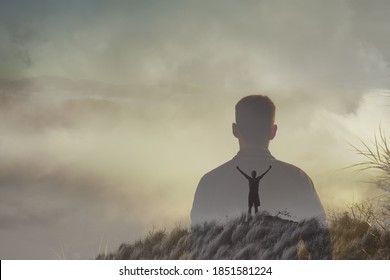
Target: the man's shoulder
pixel 219 170
pixel 281 174
pixel 291 168
pixel 281 166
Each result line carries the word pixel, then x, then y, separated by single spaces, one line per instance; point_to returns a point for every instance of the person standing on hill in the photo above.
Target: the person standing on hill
pixel 253 197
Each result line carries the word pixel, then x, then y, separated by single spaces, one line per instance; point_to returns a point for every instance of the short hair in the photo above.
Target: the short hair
pixel 255 115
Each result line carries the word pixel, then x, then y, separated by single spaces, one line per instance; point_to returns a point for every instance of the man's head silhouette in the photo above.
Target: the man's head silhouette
pixel 254 174
pixel 254 126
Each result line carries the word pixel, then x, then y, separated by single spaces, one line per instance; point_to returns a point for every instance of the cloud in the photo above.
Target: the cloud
pixel 221 45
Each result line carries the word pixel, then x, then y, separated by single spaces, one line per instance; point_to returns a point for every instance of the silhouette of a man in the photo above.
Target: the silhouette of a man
pixel 253 197
pixel 287 189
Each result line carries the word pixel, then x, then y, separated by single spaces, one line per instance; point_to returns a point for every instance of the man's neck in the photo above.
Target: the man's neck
pixel 255 153
pixel 254 149
pixel 244 146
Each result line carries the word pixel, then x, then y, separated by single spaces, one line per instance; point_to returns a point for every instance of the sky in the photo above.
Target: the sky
pixel 111 111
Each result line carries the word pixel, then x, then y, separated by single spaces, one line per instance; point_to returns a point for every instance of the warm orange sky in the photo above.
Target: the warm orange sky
pixel 110 114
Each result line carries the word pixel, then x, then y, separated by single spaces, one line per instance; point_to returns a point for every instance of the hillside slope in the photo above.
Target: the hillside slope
pixel 264 237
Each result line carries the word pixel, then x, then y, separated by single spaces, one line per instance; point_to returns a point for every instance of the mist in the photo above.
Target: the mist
pixel 110 114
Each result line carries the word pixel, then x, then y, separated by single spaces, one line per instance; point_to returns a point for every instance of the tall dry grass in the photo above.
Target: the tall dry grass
pixel 376 156
pixel 264 237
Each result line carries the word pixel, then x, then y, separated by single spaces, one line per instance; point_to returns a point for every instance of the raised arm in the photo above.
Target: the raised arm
pixel 243 173
pixel 262 175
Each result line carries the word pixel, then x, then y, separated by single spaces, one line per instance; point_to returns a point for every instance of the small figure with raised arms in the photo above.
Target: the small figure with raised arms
pixel 253 198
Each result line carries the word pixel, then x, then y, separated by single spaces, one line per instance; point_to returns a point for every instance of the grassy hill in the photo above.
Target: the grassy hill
pixel 263 237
